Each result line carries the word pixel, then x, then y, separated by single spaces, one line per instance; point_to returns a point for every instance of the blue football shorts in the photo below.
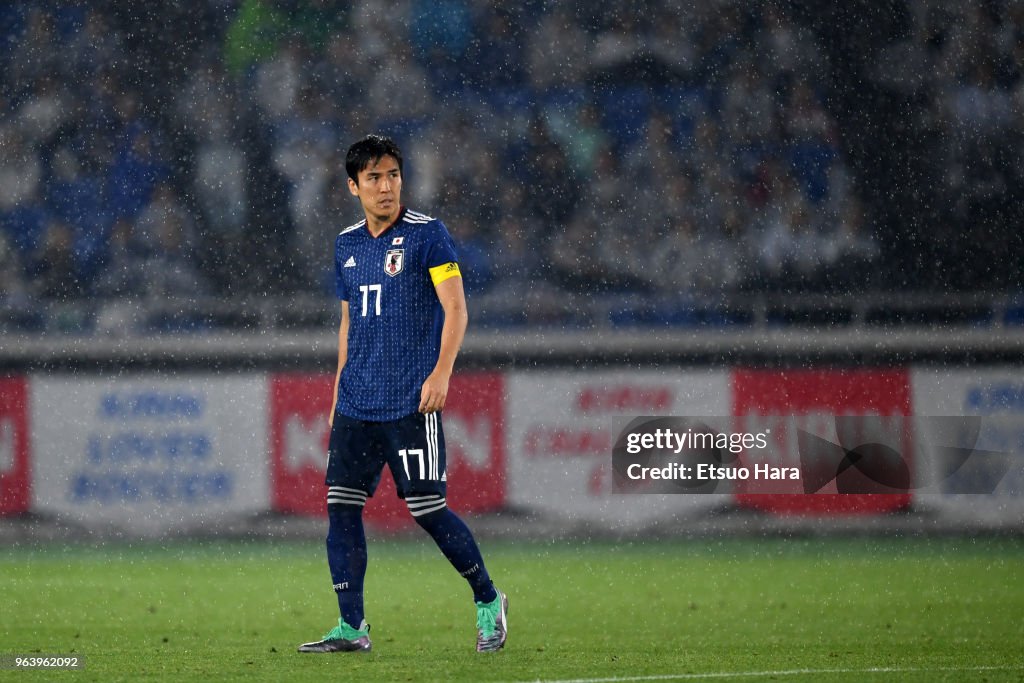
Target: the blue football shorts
pixel 412 447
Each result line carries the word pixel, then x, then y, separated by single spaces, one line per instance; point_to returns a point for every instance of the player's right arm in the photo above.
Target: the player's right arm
pixel 342 357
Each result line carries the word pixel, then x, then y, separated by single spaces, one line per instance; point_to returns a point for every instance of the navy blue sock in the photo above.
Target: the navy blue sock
pixel 456 542
pixel 346 556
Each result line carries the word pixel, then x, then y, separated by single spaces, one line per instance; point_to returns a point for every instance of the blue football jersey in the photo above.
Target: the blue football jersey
pixel 395 317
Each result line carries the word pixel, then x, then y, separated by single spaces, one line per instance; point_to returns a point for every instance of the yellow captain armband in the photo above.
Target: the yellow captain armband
pixel 444 271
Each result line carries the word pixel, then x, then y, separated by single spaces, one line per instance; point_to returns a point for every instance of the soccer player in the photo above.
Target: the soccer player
pixel 403 318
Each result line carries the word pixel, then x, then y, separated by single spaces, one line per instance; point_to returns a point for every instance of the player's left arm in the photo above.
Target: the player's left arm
pixel 456 318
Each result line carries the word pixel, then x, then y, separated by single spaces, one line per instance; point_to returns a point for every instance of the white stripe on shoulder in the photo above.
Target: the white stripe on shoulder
pixel 416 217
pixel 353 227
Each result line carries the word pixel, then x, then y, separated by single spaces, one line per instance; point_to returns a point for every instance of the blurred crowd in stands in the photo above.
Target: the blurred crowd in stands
pixel 671 148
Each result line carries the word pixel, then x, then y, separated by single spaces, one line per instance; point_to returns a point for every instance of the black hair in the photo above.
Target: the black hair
pixel 370 150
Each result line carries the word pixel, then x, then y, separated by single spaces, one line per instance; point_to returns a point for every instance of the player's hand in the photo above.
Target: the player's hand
pixel 434 392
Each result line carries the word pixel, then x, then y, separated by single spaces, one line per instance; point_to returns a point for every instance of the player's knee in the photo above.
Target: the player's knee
pixel 421 507
pixel 344 512
pixel 343 520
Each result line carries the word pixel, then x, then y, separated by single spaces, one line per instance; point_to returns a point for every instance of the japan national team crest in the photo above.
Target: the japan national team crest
pixel 394 260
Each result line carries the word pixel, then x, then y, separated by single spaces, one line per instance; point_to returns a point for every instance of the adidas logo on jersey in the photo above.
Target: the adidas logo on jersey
pixel 351 263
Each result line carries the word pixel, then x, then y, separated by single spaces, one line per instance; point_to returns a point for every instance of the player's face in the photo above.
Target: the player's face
pixel 379 188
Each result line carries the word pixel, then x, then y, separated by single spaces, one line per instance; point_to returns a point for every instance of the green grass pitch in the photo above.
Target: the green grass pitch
pixel 735 609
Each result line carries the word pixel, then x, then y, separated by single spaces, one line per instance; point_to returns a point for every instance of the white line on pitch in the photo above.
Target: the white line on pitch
pixel 780 672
